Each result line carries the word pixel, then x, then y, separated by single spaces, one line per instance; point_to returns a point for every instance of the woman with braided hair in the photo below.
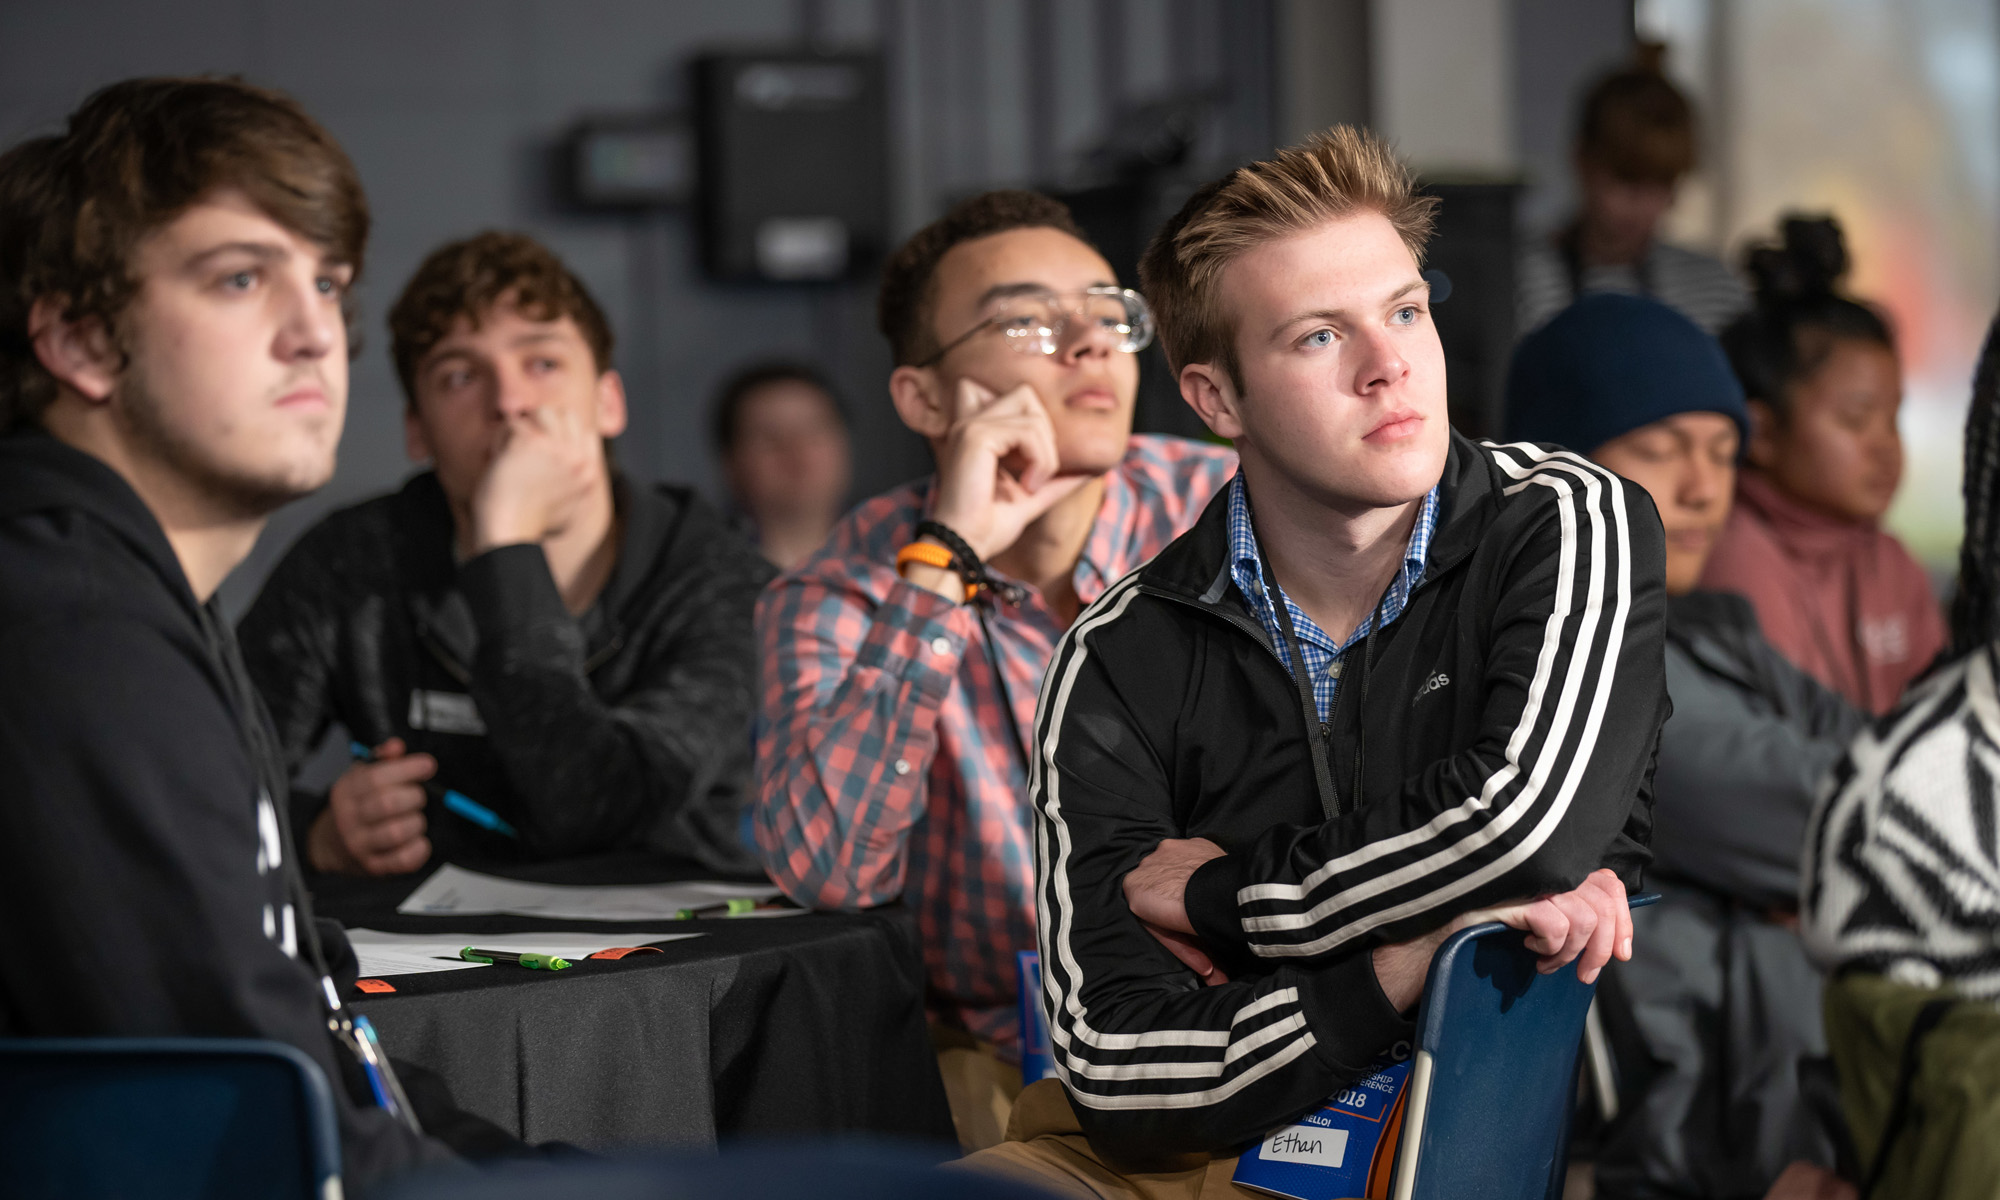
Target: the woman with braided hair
pixel 1835 593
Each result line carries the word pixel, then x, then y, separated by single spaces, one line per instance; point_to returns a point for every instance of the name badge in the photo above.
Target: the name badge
pixel 1346 1147
pixel 445 712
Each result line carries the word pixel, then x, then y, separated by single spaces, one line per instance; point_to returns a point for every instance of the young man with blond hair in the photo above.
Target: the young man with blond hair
pixel 1392 681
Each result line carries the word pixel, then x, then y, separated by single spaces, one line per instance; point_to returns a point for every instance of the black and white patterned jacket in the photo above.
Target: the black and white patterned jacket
pixel 1901 871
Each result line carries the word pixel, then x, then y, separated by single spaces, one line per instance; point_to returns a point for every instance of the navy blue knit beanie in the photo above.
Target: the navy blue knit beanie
pixel 1610 363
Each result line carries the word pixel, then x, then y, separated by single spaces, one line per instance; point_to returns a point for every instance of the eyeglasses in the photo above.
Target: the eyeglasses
pixel 1043 322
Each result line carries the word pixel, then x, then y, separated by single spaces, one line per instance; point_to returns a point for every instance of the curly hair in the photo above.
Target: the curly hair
pixel 467 278
pixel 132 158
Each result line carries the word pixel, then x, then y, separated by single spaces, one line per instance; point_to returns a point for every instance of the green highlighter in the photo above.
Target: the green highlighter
pixel 722 908
pixel 534 962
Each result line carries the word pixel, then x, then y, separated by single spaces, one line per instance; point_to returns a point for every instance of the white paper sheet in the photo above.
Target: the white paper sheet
pixel 455 891
pixel 421 953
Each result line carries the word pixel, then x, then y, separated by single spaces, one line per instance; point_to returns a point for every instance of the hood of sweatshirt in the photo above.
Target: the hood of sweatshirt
pixel 39 474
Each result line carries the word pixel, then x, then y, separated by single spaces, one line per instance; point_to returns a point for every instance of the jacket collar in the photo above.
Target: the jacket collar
pixel 38 473
pixel 1196 566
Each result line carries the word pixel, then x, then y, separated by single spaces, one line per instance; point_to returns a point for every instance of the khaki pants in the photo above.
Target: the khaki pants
pixel 1045 1146
pixel 980 1085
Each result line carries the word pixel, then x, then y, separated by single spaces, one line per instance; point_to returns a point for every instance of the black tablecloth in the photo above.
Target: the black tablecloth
pixel 809 1024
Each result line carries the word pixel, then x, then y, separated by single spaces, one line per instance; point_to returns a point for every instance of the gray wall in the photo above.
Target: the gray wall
pixel 449 108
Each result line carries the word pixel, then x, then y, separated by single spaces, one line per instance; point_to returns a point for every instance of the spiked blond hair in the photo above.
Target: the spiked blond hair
pixel 1332 174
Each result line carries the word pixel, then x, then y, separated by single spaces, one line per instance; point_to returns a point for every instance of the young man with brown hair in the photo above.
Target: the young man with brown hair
pixel 174 275
pixel 892 758
pixel 520 624
pixel 1391 677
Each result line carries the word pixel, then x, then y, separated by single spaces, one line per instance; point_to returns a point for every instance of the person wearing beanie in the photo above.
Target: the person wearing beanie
pixel 1719 1001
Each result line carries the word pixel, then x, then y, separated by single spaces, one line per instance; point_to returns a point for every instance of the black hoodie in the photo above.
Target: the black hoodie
pixel 150 890
pixel 625 728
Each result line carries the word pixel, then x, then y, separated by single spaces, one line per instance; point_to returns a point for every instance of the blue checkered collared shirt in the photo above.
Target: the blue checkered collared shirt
pixel 1321 653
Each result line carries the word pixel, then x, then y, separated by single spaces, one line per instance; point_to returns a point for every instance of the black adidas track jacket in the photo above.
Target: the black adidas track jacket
pixel 1506 724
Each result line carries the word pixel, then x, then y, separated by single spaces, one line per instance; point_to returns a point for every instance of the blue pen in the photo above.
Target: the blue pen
pixel 458 802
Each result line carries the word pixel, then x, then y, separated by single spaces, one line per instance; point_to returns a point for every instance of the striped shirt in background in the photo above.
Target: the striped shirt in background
pixel 888 764
pixel 1701 287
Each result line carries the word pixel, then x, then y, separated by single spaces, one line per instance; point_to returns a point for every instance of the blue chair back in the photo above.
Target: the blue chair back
pixel 1493 1084
pixel 173 1118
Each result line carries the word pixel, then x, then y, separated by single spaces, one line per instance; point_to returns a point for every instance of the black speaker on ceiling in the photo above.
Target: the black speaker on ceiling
pixel 793 165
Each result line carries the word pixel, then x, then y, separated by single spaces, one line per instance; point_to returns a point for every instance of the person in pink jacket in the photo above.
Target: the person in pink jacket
pixel 1837 595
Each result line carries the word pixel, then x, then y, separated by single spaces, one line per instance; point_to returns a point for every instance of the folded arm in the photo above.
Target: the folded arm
pixel 1543 794
pixel 1155 1062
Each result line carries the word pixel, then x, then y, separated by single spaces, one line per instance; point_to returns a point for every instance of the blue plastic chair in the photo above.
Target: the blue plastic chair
pixel 1493 1084
pixel 173 1118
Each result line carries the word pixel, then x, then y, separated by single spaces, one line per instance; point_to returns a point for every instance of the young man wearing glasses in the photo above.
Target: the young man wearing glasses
pixel 902 662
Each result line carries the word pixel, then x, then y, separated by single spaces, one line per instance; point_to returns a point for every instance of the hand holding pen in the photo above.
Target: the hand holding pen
pixel 373 823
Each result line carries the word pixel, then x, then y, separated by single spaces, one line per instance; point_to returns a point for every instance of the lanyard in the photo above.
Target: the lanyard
pixel 1000 681
pixel 1319 734
pixel 353 1033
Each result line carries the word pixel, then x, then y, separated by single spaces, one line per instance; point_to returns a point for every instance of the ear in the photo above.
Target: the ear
pixel 611 411
pixel 1763 449
pixel 921 399
pixel 1209 391
pixel 80 354
pixel 415 444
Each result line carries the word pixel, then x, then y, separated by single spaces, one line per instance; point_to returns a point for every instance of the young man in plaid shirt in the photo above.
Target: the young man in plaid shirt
pixel 891 758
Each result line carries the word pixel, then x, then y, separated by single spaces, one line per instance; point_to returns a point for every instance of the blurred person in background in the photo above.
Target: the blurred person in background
pixel 1719 990
pixel 1838 595
pixel 902 661
pixel 1636 142
pixel 520 623
pixel 781 433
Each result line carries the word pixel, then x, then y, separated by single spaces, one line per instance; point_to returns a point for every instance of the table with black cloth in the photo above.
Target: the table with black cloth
pixel 806 1025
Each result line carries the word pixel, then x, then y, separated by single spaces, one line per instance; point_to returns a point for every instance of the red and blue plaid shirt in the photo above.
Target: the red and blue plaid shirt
pixel 888 761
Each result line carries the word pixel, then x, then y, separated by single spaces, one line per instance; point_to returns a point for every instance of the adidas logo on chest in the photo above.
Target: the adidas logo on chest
pixel 1436 682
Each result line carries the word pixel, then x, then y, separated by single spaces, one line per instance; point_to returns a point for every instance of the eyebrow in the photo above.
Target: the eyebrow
pixel 1334 314
pixel 1007 291
pixel 266 252
pixel 261 251
pixel 445 353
